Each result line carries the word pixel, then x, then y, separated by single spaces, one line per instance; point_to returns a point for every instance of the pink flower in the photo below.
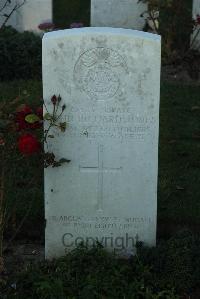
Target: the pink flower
pixel 46 26
pixel 76 25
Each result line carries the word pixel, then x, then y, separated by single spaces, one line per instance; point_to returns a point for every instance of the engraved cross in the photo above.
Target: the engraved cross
pixel 100 169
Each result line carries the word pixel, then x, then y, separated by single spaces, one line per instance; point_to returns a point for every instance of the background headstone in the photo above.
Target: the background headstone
pixel 109 80
pixel 196 11
pixel 8 8
pixel 30 15
pixel 118 13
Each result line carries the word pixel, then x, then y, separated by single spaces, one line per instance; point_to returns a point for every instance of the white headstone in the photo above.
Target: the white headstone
pixel 196 11
pixel 29 15
pixel 118 13
pixel 109 80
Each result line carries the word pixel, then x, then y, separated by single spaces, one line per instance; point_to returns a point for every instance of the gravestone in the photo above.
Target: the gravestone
pixel 196 11
pixel 118 13
pixel 6 11
pixel 29 15
pixel 109 80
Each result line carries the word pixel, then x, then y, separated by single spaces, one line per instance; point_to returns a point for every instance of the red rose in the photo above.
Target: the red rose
pixel 28 144
pixel 2 142
pixel 39 112
pixel 54 99
pixel 25 109
pixel 20 118
pixel 22 124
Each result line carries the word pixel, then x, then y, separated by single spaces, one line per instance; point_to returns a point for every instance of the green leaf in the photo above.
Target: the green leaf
pixel 63 160
pixel 63 126
pixel 56 164
pixel 32 118
pixel 48 116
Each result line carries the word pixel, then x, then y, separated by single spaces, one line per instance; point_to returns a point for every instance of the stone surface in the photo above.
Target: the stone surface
pixel 109 80
pixel 8 8
pixel 118 13
pixel 196 11
pixel 30 15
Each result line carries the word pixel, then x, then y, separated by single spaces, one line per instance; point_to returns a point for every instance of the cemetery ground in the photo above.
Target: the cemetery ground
pixel 171 268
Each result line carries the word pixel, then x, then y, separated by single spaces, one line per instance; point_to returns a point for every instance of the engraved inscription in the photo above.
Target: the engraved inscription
pixel 108 123
pixel 101 222
pixel 101 169
pixel 97 72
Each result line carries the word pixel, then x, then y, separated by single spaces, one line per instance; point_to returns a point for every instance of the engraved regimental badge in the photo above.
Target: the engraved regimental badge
pixel 97 72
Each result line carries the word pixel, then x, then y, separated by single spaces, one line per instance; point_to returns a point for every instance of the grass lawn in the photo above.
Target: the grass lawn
pixel 179 162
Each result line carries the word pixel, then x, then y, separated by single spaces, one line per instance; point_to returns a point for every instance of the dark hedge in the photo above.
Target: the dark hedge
pixel 66 12
pixel 20 55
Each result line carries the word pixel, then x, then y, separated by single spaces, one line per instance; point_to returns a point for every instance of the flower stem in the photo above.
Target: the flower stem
pixel 2 214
